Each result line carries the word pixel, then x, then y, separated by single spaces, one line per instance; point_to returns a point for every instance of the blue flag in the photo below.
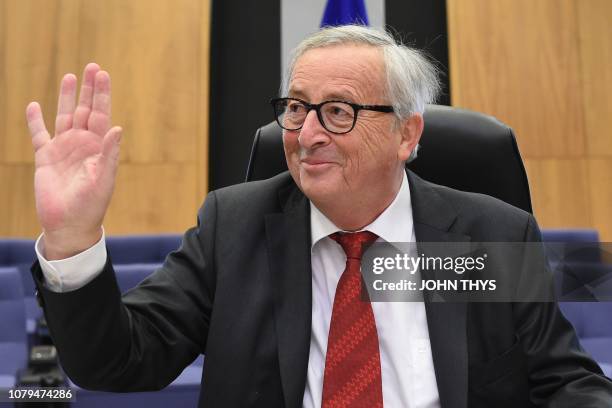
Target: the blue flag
pixel 340 12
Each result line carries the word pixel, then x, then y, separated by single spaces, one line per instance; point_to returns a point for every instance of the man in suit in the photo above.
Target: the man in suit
pixel 266 285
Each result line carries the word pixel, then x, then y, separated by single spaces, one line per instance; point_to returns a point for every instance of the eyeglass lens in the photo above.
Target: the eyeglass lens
pixel 336 116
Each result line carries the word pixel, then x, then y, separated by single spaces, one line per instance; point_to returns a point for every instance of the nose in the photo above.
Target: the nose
pixel 313 134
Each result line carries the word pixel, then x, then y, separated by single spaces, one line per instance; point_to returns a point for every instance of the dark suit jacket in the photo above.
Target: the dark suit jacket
pixel 239 291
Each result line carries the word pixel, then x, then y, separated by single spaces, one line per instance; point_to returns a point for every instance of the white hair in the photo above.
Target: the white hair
pixel 412 80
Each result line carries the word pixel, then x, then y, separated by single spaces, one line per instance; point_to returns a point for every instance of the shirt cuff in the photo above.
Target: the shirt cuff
pixel 65 275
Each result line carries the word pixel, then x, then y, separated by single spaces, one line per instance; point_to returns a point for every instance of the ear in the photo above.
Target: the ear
pixel 410 131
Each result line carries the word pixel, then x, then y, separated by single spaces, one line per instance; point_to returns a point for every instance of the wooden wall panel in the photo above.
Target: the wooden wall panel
pixel 562 197
pixel 203 107
pixel 139 205
pixel 543 67
pixel 595 22
pixel 152 50
pixel 518 60
pixel 17 207
pixel 600 177
pixel 37 45
pixel 157 53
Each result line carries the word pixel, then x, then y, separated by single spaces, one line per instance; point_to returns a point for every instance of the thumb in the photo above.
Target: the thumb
pixel 110 151
pixel 110 144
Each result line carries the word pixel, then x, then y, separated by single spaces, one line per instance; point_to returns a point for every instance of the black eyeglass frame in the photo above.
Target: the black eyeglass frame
pixel 317 107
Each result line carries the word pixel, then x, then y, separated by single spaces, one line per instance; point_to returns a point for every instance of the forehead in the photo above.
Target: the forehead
pixel 353 72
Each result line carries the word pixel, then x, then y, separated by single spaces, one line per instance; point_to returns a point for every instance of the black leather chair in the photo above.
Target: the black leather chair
pixel 461 149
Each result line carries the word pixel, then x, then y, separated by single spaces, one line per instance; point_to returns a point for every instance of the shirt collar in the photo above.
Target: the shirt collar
pixel 394 224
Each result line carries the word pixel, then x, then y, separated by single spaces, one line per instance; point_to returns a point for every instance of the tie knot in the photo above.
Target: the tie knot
pixel 354 243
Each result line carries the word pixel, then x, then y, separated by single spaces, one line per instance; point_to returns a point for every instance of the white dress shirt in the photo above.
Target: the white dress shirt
pixel 408 377
pixel 75 272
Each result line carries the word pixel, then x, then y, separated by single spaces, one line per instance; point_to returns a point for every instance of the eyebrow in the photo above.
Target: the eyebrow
pixel 293 93
pixel 341 97
pixel 334 96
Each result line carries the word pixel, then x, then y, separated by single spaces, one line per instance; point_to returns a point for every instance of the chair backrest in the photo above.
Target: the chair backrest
pixel 12 308
pixel 573 245
pixel 21 254
pixel 13 338
pixel 130 275
pixel 129 249
pixel 570 235
pixel 590 319
pixel 461 149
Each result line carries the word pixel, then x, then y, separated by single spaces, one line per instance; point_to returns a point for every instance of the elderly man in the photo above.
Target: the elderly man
pixel 267 284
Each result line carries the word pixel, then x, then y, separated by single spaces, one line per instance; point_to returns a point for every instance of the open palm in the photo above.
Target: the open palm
pixel 75 170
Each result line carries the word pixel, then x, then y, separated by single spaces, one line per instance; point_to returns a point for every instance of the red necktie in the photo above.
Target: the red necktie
pixel 352 364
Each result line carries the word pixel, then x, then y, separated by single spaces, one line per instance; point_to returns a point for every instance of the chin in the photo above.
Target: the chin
pixel 319 189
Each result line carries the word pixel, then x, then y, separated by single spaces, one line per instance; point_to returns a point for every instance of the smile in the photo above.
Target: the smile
pixel 315 165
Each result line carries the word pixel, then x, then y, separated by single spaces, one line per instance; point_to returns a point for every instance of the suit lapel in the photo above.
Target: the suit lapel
pixel 433 219
pixel 288 243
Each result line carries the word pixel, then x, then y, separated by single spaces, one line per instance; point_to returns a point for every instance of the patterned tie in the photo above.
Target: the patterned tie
pixel 352 364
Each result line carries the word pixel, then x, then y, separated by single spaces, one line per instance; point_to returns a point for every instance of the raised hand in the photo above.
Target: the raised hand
pixel 75 169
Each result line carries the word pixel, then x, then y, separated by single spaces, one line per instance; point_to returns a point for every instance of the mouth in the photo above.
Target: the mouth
pixel 315 164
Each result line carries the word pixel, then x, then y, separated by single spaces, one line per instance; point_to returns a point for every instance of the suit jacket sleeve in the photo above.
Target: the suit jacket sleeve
pixel 145 338
pixel 561 373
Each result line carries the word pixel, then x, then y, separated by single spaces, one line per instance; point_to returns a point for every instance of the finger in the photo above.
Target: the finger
pixel 81 114
pixel 65 104
pixel 100 117
pixel 37 127
pixel 110 152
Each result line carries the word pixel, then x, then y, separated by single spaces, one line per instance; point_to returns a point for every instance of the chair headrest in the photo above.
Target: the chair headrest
pixel 460 149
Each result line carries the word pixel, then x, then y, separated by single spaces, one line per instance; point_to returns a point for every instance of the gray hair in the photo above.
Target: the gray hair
pixel 412 80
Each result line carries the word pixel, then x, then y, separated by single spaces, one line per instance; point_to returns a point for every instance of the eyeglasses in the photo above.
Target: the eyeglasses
pixel 337 117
